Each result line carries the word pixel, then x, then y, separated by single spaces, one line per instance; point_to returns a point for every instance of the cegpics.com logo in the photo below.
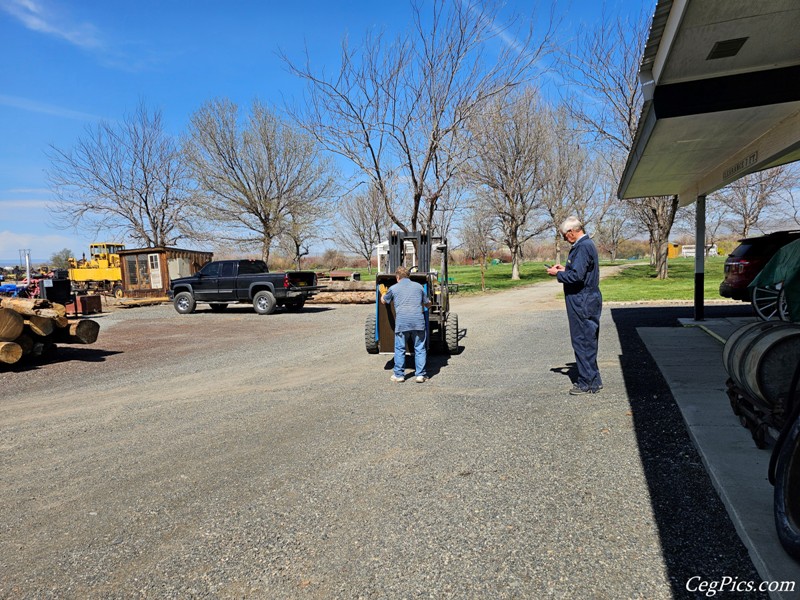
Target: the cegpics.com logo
pixel 713 587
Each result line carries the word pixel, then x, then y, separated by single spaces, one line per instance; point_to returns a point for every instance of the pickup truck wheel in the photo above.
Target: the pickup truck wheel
pixel 184 303
pixel 264 302
pixel 369 335
pixel 218 306
pixel 295 305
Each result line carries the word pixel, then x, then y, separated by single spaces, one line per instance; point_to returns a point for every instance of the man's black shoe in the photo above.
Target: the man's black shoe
pixel 579 391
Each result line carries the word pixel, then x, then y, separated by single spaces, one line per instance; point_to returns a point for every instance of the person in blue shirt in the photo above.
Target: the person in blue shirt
pixel 581 279
pixel 409 325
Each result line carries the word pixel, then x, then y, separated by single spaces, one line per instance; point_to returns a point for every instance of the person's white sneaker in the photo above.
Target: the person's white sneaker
pixel 421 379
pixel 397 379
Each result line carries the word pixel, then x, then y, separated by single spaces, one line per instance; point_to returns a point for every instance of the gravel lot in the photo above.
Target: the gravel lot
pixel 237 456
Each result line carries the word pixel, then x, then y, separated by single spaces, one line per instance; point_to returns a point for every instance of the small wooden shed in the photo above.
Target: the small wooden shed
pixel 146 272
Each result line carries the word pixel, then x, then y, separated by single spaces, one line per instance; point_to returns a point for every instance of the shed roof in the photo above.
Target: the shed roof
pixel 721 80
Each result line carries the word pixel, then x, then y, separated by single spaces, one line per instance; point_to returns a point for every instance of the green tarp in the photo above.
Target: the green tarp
pixel 784 268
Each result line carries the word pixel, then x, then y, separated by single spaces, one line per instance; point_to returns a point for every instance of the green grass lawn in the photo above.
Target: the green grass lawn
pixel 635 283
pixel 638 282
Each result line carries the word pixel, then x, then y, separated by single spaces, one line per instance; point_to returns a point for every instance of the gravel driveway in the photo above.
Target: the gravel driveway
pixel 237 456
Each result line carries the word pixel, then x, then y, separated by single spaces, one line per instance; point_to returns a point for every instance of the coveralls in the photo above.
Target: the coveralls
pixel 409 303
pixel 581 279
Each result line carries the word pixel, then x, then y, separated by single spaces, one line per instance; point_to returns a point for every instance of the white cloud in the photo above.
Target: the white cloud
pixel 34 15
pixel 23 204
pixel 41 246
pixel 47 109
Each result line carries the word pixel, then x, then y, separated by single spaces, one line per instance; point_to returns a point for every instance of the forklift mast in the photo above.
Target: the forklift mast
pixel 422 245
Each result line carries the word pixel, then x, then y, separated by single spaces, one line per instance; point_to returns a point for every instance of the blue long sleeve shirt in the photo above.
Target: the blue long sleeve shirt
pixel 582 271
pixel 409 300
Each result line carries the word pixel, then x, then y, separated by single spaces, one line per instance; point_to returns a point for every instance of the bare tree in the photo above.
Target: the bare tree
pixel 716 221
pixel 477 234
pixel 126 180
pixel 364 223
pixel 254 173
pixel 570 174
pixel 397 110
pixel 301 229
pixel 751 197
pixel 604 66
pixel 510 144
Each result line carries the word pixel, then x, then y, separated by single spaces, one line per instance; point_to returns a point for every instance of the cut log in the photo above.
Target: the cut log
pixel 10 352
pixel 84 331
pixel 34 307
pixel 11 324
pixel 42 326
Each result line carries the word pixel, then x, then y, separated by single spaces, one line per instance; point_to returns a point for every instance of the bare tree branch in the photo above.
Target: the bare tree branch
pixel 127 180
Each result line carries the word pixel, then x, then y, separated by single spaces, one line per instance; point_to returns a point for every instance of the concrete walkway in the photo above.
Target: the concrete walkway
pixel 690 359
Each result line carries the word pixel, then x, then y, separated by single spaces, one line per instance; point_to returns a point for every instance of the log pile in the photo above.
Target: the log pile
pixel 345 292
pixel 32 327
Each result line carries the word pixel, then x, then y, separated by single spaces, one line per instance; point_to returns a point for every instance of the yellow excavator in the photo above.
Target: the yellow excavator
pixel 99 273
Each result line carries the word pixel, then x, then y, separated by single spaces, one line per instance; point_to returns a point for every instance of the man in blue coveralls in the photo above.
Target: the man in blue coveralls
pixel 581 279
pixel 409 325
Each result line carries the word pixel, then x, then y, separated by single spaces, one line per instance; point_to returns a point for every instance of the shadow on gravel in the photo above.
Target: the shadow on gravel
pixel 60 355
pixel 569 369
pixel 697 537
pixel 248 309
pixel 433 365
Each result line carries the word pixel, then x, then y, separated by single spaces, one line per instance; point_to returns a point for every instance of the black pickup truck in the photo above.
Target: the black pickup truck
pixel 223 282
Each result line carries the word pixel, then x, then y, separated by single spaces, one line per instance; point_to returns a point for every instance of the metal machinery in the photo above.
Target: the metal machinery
pixel 442 325
pixel 101 272
pixel 776 288
pixel 763 361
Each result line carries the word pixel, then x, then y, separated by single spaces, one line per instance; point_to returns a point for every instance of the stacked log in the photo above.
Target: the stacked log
pixel 34 326
pixel 345 292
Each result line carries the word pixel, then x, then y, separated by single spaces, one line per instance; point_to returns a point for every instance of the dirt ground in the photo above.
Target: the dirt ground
pixel 234 455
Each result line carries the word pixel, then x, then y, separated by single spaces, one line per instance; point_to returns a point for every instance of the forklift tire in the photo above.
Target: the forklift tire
pixel 787 492
pixel 116 291
pixel 184 303
pixel 369 335
pixel 451 333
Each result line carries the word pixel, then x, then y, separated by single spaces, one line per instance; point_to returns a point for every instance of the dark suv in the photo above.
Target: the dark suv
pixel 747 260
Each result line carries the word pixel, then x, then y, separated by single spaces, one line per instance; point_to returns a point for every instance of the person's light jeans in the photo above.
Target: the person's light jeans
pixel 417 338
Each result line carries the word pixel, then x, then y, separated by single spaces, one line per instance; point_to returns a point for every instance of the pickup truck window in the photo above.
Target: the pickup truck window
pixel 250 267
pixel 210 270
pixel 227 269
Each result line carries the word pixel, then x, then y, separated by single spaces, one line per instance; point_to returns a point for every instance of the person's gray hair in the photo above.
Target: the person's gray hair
pixel 571 224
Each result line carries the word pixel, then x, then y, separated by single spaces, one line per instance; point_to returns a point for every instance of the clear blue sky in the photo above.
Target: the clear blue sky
pixel 66 65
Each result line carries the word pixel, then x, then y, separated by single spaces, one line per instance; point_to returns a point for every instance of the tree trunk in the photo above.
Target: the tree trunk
pixel 84 331
pixel 10 352
pixel 41 326
pixel 11 324
pixel 515 265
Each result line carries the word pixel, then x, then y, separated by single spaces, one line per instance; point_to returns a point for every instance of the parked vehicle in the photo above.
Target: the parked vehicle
pixel 100 272
pixel 747 260
pixel 224 282
pixel 441 324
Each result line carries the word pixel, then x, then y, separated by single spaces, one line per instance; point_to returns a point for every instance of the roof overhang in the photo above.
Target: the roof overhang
pixel 721 81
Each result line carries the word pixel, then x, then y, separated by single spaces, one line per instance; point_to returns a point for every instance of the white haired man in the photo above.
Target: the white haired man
pixel 581 279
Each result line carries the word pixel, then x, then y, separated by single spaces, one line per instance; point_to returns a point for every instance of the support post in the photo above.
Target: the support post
pixel 699 258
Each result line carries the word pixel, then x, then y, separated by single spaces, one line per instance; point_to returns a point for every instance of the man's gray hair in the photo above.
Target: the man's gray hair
pixel 571 224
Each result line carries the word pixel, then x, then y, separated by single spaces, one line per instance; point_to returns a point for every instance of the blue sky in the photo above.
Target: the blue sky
pixel 65 66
